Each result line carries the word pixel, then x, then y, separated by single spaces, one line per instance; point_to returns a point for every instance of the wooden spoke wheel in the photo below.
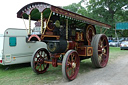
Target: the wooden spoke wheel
pixel 38 58
pixel 90 32
pixel 100 50
pixel 70 65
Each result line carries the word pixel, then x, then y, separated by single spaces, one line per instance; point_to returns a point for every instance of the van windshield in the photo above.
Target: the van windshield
pixel 1 45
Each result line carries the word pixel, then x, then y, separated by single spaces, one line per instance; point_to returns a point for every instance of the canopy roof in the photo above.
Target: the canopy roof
pixel 35 9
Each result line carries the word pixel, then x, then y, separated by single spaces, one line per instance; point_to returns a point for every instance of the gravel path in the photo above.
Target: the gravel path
pixel 115 73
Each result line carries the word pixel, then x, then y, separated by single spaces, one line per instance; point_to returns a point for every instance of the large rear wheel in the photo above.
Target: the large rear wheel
pixel 100 50
pixel 70 65
pixel 37 63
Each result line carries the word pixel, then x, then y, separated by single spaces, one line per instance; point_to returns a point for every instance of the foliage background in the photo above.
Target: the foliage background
pixel 107 11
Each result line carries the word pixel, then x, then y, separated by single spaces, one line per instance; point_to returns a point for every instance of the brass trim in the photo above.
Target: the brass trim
pixel 105 31
pixel 29 24
pixel 47 22
pixel 88 54
pixel 67 29
pixel 50 62
pixel 67 46
pixel 57 37
pixel 41 22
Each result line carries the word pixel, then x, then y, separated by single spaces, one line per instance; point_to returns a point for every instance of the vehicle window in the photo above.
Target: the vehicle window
pixel 12 41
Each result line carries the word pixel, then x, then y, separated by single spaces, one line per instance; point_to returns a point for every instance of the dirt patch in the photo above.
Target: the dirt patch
pixel 115 73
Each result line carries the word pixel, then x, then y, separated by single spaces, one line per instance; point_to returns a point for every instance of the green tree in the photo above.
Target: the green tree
pixel 109 11
pixel 77 8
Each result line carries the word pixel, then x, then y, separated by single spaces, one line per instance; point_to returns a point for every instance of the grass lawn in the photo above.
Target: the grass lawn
pixel 22 74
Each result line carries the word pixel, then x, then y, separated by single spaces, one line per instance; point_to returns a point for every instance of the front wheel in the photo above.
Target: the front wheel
pixel 70 65
pixel 37 63
pixel 100 50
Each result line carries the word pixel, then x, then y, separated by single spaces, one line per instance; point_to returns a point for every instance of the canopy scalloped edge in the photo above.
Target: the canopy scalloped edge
pixel 28 8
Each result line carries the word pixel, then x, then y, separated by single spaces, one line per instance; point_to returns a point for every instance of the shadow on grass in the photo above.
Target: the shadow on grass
pixel 86 66
pixel 15 66
pixel 24 73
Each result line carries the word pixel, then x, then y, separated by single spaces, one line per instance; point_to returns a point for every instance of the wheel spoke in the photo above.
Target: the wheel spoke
pixel 75 60
pixel 100 44
pixel 105 55
pixel 72 71
pixel 105 46
pixel 44 55
pixel 36 65
pixel 36 61
pixel 39 53
pixel 69 63
pixel 68 70
pixel 100 58
pixel 99 50
pixel 44 65
pixel 38 68
pixel 71 57
pixel 36 55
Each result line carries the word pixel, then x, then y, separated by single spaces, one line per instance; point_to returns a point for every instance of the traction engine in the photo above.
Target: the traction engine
pixel 70 38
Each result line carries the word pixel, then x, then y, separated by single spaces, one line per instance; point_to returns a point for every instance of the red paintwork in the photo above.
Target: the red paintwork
pixel 77 16
pixel 36 36
pixel 54 62
pixel 0 61
pixel 82 51
pixel 71 45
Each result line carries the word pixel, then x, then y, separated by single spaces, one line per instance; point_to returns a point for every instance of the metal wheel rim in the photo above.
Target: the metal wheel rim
pixel 103 51
pixel 72 71
pixel 38 61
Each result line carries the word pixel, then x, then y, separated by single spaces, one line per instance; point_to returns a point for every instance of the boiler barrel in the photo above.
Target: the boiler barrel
pixel 60 46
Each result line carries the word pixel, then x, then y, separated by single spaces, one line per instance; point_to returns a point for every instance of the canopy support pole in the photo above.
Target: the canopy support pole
pixel 47 22
pixel 29 24
pixel 105 31
pixel 100 30
pixel 41 22
pixel 66 29
pixel 25 24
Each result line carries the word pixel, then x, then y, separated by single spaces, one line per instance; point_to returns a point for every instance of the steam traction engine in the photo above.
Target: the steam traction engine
pixel 70 38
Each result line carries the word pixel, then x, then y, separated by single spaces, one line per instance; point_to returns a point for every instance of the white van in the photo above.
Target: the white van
pixel 14 49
